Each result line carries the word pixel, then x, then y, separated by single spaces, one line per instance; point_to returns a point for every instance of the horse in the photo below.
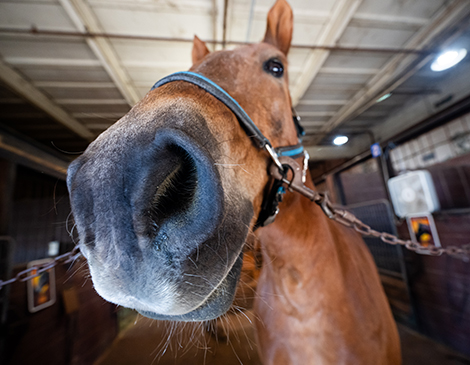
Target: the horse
pixel 165 199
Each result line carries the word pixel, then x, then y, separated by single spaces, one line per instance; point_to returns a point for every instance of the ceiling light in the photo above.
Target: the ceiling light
pixel 340 140
pixel 383 97
pixel 448 59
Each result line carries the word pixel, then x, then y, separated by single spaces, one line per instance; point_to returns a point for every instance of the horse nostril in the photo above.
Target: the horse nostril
pixel 177 190
pixel 175 194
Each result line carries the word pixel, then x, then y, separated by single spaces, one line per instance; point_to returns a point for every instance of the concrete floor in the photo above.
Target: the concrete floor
pixel 145 342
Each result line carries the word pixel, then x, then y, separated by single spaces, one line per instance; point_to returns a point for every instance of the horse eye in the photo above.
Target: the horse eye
pixel 274 67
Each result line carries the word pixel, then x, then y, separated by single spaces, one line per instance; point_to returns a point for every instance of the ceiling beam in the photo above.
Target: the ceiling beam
pixel 218 10
pixel 426 107
pixel 385 21
pixel 215 23
pixel 91 101
pixel 400 67
pixel 341 16
pixel 75 84
pixel 321 102
pixel 111 116
pixel 312 122
pixel 27 154
pixel 348 71
pixel 59 33
pixel 36 61
pixel 309 114
pixel 85 20
pixel 25 89
pixel 161 7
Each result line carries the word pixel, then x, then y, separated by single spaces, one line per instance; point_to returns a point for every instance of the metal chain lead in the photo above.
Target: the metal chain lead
pixel 350 220
pixel 28 274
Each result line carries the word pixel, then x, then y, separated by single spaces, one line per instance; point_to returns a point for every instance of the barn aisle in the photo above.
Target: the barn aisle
pixel 141 343
pixel 144 340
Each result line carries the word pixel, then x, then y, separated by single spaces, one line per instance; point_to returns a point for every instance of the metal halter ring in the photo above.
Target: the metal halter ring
pixel 274 157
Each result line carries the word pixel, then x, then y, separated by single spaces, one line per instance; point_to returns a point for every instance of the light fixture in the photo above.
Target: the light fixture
pixel 340 140
pixel 448 59
pixel 383 97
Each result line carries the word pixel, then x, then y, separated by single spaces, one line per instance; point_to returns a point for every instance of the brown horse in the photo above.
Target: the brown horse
pixel 165 199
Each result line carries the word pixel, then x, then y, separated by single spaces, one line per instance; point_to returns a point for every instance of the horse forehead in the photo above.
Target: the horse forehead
pixel 258 50
pixel 232 62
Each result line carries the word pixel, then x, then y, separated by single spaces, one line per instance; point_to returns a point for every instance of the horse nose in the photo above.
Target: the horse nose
pixel 177 194
pixel 163 194
pixel 152 216
pixel 170 188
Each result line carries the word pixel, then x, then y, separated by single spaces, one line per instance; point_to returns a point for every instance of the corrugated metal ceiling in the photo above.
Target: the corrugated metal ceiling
pixel 67 87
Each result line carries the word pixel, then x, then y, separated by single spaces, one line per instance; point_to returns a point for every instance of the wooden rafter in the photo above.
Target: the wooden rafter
pixel 85 20
pixel 341 16
pixel 399 68
pixel 28 91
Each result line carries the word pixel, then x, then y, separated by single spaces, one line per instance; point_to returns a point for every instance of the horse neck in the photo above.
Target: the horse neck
pixel 304 243
pixel 319 283
pixel 300 227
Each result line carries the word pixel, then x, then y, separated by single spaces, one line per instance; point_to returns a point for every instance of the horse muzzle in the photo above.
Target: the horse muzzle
pixel 155 223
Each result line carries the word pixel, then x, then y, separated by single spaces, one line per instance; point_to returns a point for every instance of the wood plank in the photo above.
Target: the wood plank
pixel 7 181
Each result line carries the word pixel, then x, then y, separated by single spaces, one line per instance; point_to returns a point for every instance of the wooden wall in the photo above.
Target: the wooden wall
pixel 40 214
pixel 439 297
pixel 440 286
pixel 80 325
pixel 54 337
pixel 362 187
pixel 361 184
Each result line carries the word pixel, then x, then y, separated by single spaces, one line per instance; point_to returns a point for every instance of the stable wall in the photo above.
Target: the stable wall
pixel 438 302
pixel 80 325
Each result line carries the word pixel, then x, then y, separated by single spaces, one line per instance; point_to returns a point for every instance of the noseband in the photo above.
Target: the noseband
pixel 269 208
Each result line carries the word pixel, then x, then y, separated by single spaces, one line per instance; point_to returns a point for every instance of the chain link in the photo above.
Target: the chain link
pixel 37 270
pixel 350 220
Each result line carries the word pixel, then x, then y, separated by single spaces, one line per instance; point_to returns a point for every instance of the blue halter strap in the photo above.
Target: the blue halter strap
pixel 245 121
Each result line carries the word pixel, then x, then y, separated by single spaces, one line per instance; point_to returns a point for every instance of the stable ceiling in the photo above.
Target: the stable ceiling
pixel 61 86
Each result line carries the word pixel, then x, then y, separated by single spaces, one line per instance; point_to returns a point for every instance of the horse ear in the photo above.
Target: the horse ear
pixel 280 26
pixel 199 50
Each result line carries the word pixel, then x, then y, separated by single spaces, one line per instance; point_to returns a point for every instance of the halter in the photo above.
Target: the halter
pixel 269 207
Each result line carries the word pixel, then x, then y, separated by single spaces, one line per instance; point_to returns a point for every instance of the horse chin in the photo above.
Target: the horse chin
pixel 215 305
